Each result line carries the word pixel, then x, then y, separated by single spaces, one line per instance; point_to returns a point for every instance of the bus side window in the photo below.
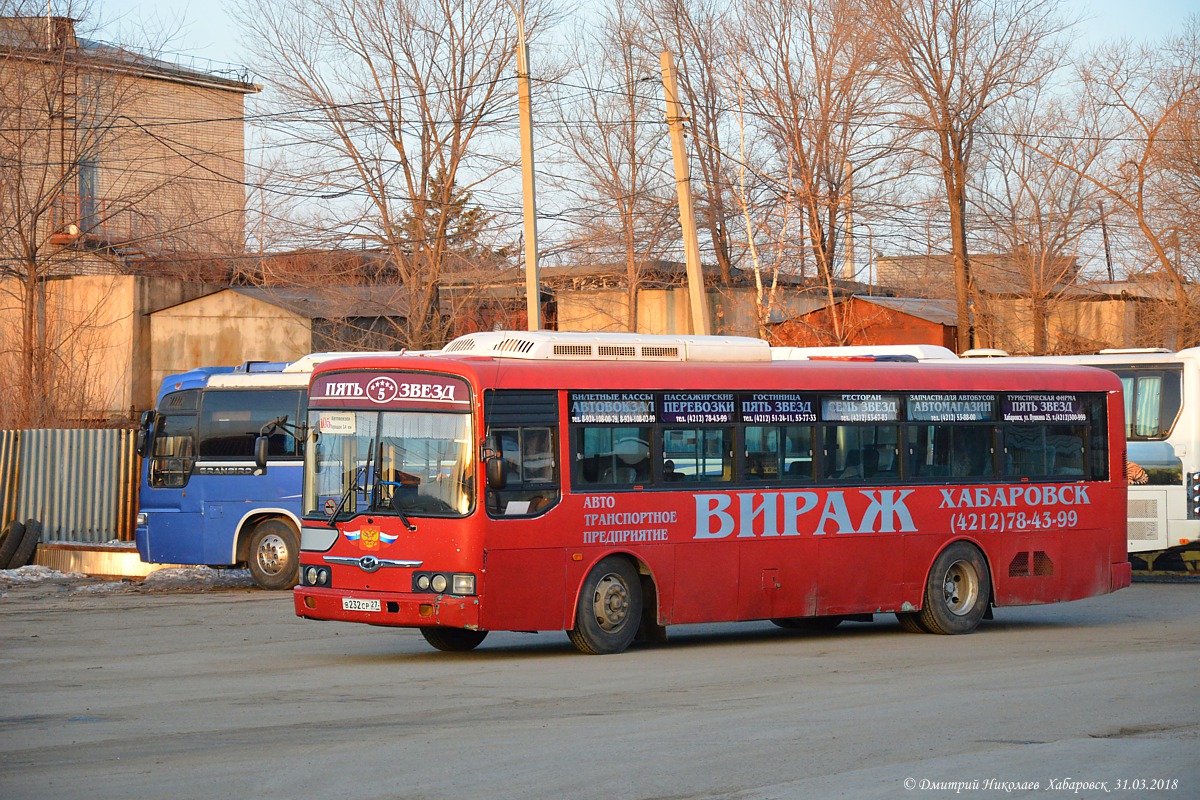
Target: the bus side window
pixel 700 454
pixel 532 459
pixel 612 455
pixel 776 453
pixel 174 451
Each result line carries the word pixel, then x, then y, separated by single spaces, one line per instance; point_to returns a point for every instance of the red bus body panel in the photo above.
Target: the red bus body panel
pixel 788 552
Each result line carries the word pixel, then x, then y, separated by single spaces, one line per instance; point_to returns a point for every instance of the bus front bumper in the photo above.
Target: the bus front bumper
pixel 404 610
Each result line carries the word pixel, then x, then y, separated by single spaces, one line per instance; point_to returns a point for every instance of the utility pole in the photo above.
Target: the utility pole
pixel 1104 233
pixel 533 305
pixel 683 186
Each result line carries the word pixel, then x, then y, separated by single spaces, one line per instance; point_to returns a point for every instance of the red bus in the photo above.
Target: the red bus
pixel 612 485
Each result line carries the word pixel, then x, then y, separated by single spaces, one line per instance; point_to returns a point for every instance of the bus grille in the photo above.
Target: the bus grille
pixel 1143 519
pixel 626 351
pixel 514 346
pixel 1142 530
pixel 1043 566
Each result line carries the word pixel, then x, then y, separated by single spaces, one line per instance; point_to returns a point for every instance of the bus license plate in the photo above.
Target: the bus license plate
pixel 356 604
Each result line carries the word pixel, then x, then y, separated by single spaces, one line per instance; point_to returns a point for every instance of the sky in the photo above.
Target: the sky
pixel 205 30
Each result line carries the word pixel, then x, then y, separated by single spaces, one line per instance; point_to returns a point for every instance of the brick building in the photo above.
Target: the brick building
pixel 116 167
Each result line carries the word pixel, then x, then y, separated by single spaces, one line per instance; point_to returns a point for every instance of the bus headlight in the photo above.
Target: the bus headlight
pixel 456 583
pixel 314 576
pixel 142 519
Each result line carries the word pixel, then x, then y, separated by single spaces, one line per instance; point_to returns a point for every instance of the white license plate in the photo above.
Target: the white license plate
pixel 357 604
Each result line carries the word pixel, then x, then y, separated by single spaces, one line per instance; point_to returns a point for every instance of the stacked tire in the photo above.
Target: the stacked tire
pixel 18 543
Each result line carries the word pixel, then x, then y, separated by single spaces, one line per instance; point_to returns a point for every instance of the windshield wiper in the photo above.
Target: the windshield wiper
pixel 360 473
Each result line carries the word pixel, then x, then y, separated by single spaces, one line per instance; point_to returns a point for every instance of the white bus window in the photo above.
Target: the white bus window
pixel 612 455
pixel 1152 401
pixel 779 453
pixel 700 454
pixel 857 452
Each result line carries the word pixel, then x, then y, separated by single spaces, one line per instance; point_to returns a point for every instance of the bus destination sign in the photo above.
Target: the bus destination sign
pixel 680 408
pixel 781 407
pixel 951 407
pixel 855 407
pixel 612 407
pixel 1043 408
pixel 400 390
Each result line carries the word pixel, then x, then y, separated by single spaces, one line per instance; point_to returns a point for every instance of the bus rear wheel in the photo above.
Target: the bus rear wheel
pixel 274 555
pixel 610 608
pixel 957 592
pixel 453 640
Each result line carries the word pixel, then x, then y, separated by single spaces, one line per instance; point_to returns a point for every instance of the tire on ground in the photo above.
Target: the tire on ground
pixel 274 555
pixel 28 547
pixel 14 532
pixel 609 610
pixel 809 624
pixel 453 640
pixel 957 592
pixel 910 622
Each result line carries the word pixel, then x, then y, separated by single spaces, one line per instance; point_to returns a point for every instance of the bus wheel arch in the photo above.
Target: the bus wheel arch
pixel 609 608
pixel 958 591
pixel 270 546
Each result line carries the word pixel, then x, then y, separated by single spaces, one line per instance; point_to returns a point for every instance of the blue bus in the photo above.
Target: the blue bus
pixel 202 499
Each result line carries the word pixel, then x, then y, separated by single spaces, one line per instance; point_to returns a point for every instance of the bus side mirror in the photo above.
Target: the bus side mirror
pixel 260 454
pixel 141 444
pixel 497 473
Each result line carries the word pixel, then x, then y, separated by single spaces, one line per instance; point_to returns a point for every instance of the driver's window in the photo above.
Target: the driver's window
pixel 531 462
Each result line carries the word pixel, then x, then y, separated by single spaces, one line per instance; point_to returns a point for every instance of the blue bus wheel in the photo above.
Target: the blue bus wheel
pixel 274 555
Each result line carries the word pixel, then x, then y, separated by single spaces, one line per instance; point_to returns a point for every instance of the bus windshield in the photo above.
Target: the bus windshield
pixel 388 462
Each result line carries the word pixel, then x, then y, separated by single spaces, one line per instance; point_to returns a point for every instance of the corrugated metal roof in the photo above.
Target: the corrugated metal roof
pixel 942 312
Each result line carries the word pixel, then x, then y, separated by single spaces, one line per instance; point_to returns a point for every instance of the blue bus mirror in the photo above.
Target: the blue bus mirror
pixel 260 454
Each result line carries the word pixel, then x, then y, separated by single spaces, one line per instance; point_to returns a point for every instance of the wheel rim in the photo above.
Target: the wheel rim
pixel 272 554
pixel 610 604
pixel 960 588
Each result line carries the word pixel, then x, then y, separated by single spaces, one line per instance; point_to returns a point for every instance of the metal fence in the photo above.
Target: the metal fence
pixel 80 484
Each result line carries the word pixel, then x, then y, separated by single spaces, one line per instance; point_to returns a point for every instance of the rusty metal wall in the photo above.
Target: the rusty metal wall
pixel 81 484
pixel 10 465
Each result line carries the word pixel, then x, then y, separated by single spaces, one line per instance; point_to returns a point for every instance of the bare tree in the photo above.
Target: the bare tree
pixel 614 138
pixel 1144 102
pixel 1039 207
pixel 698 34
pixel 813 79
pixel 85 187
pixel 956 61
pixel 394 104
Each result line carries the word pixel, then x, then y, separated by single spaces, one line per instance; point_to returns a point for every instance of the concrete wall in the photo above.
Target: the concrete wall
pixel 732 311
pixel 1071 325
pixel 225 328
pixel 98 329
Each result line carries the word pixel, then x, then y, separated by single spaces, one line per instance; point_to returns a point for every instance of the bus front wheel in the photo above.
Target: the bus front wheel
pixel 453 640
pixel 610 608
pixel 274 555
pixel 957 592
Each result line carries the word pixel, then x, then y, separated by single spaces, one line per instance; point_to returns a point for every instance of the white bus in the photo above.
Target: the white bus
pixel 1162 425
